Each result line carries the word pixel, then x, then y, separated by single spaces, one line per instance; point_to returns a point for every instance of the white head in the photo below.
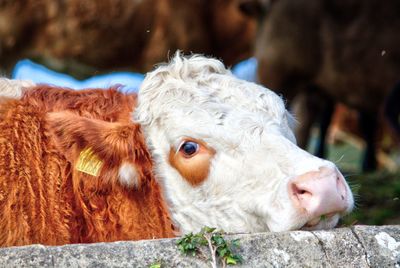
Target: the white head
pixel 226 155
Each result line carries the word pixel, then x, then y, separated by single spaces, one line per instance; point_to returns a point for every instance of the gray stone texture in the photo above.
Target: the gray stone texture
pixel 358 246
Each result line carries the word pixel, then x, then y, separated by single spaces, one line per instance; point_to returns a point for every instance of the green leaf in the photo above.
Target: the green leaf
pixel 231 261
pixel 218 240
pixel 235 242
pixel 191 243
pixel 208 229
pixel 155 265
pixel 238 258
pixel 222 252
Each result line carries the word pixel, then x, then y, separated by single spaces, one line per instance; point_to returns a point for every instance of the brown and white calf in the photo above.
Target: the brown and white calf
pixel 88 166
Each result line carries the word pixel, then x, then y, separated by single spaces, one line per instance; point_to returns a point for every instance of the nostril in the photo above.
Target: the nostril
pixel 299 192
pixel 340 187
pixel 317 195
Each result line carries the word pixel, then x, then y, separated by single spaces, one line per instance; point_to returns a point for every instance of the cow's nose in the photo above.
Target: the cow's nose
pixel 319 193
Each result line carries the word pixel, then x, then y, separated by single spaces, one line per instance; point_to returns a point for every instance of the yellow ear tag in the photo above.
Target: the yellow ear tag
pixel 89 163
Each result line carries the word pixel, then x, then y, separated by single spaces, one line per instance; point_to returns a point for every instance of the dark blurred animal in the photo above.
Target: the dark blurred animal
pixel 84 37
pixel 344 128
pixel 322 51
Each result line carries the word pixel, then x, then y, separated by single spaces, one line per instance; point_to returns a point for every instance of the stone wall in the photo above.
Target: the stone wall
pixel 358 246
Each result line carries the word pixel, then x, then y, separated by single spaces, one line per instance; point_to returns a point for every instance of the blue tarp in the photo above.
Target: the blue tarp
pixel 37 73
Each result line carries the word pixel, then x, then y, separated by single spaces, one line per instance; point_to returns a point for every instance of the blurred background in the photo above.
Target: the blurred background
pixel 335 62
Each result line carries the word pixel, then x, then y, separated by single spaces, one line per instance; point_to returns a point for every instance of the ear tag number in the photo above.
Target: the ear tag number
pixel 89 163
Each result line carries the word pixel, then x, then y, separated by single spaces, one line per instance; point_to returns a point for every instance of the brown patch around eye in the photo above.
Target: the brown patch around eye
pixel 193 169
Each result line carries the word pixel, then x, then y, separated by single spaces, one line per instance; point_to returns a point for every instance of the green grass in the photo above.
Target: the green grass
pixel 377 198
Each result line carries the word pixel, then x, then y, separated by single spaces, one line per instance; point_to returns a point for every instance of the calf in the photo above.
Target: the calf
pixel 78 166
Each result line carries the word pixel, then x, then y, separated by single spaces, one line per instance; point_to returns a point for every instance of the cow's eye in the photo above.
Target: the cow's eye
pixel 189 148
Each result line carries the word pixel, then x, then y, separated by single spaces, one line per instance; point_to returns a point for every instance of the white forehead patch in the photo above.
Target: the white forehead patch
pixel 202 87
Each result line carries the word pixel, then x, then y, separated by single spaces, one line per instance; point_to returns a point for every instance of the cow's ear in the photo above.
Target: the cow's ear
pixel 254 8
pixel 101 148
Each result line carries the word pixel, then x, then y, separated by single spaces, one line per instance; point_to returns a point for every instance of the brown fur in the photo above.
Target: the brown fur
pixel 349 49
pixel 44 199
pixel 84 37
